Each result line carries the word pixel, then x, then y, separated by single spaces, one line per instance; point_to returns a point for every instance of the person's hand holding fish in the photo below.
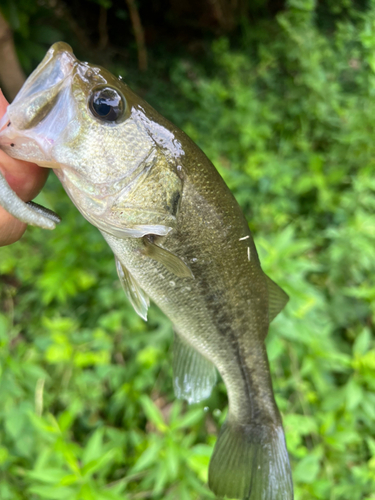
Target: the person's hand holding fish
pixel 26 179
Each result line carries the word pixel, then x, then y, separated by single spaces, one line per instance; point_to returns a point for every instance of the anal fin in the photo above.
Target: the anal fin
pixel 133 291
pixel 194 376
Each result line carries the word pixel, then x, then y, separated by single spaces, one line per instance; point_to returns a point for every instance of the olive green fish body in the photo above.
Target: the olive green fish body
pixel 179 237
pixel 222 313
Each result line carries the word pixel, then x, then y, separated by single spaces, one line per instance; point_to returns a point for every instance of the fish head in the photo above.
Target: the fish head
pixel 86 124
pixel 77 116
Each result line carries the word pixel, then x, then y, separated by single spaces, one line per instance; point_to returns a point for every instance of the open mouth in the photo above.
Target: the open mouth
pixel 26 135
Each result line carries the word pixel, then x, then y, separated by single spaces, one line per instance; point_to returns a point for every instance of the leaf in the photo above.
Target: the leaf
pixel 173 457
pixel 148 457
pixel 354 394
pixel 362 342
pixel 192 417
pixel 307 469
pixel 50 493
pixel 47 475
pixel 94 447
pixel 153 413
pixel 94 465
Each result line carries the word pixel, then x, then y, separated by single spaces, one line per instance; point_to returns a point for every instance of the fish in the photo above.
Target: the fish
pixel 179 238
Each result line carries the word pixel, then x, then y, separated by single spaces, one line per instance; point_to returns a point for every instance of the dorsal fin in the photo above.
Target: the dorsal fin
pixel 277 299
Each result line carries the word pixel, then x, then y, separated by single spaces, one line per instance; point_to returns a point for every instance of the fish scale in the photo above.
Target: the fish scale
pixel 179 237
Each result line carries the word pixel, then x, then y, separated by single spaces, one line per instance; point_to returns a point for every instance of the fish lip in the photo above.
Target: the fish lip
pixel 19 137
pixel 59 63
pixel 11 137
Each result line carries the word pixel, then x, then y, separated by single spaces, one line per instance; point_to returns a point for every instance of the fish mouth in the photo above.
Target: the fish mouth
pixel 23 147
pixel 23 134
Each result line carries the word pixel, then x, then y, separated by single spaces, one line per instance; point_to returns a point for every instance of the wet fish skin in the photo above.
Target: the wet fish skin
pixel 180 238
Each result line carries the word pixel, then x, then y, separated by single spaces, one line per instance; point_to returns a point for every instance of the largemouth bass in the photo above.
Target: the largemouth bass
pixel 178 236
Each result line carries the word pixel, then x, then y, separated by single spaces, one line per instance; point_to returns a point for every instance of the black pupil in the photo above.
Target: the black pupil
pixel 106 104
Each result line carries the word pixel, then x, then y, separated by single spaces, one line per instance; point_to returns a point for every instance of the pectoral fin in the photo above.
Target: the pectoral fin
pixel 133 291
pixel 131 231
pixel 277 299
pixel 194 376
pixel 173 263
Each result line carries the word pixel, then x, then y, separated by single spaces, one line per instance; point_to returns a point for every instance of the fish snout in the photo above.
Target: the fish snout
pixel 39 93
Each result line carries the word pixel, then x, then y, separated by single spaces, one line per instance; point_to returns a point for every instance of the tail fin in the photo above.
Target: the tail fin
pixel 251 463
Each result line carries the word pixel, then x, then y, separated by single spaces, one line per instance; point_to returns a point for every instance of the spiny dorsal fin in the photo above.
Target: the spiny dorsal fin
pixel 133 291
pixel 194 376
pixel 277 299
pixel 169 260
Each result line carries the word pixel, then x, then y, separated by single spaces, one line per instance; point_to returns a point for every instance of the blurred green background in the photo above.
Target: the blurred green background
pixel 281 97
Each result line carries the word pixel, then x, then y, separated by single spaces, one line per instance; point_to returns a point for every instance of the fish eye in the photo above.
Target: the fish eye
pixel 107 104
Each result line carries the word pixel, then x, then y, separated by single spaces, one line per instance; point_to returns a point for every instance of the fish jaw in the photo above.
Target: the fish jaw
pixel 25 146
pixel 37 95
pixel 21 133
pixel 34 121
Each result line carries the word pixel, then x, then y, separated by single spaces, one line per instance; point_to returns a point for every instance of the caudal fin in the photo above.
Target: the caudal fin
pixel 251 463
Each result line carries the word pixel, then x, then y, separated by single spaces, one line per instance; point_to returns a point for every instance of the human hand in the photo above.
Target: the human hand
pixel 26 179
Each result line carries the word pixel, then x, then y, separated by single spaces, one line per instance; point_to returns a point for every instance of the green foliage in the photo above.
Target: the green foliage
pixel 286 112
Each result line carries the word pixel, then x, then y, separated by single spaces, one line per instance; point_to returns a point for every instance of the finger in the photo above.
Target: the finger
pixel 26 179
pixel 3 103
pixel 11 229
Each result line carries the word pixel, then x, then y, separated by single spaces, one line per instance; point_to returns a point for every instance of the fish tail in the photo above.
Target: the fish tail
pixel 250 462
